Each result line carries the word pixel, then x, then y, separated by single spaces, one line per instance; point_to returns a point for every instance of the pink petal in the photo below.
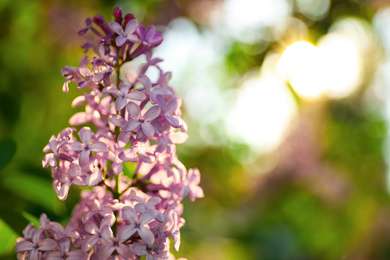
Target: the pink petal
pixel 153 201
pixel 91 227
pixel 130 27
pixel 130 214
pixel 82 84
pixel 84 159
pixel 162 91
pixel 89 242
pixel 147 216
pixel 131 125
pixel 160 101
pixel 65 87
pixel 148 129
pixel 49 159
pixel 179 137
pixel 64 244
pixel 24 246
pixel 129 155
pixel 152 113
pixel 108 220
pixel 120 40
pixel 160 217
pixel 173 120
pixel 145 81
pixel 146 157
pixel 117 120
pixel 123 138
pixel 134 110
pixel 176 238
pixel 106 234
pixel 78 101
pixel 94 178
pixel 146 235
pixel 124 251
pixel 173 105
pixel 74 170
pixel 84 61
pixel 79 119
pixel 85 134
pixel 75 146
pixel 126 232
pixel 151 31
pixel 34 255
pixel 132 38
pixel 124 89
pixel 77 255
pixel 139 249
pixel 116 27
pixel 136 95
pixel 105 252
pixel 97 78
pixel 85 72
pixel 117 167
pixel 47 244
pixel 54 255
pixel 111 90
pixel 98 147
pixel 62 192
pixel 120 103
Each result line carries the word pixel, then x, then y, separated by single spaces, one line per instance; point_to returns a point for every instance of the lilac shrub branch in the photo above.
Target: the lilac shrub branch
pixel 136 126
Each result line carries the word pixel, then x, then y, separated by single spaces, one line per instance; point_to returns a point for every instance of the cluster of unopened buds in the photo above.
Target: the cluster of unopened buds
pixel 127 155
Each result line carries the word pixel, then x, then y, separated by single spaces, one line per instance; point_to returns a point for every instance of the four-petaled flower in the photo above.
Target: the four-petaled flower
pixel 138 224
pixel 137 119
pixel 112 244
pixel 86 147
pixel 123 95
pixel 35 245
pixel 127 34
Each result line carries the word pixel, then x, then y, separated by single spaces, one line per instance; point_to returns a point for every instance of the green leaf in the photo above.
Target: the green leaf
pixel 7 151
pixel 7 239
pixel 33 189
pixel 14 219
pixel 31 219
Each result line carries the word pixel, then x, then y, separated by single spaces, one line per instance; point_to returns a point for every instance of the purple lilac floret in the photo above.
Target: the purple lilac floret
pixel 127 154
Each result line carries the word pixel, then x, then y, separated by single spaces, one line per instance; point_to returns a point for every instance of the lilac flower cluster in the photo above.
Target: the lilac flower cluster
pixel 127 154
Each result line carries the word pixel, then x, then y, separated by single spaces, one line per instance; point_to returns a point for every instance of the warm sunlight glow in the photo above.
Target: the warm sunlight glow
pixel 340 65
pixel 299 64
pixel 263 110
pixel 333 68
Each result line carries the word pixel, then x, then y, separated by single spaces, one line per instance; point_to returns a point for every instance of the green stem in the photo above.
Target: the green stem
pixel 117 179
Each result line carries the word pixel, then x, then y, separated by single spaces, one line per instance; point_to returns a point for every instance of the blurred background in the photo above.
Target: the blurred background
pixel 288 106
